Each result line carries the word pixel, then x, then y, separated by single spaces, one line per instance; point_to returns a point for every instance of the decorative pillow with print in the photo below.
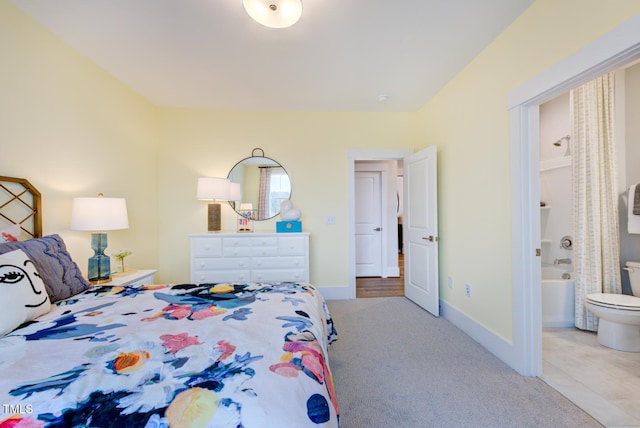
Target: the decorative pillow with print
pixel 23 295
pixel 61 275
pixel 10 234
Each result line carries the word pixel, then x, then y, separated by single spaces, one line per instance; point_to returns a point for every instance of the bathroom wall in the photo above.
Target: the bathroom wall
pixel 555 179
pixel 630 243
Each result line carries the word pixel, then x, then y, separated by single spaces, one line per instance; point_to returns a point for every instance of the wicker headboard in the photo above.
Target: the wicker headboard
pixel 20 203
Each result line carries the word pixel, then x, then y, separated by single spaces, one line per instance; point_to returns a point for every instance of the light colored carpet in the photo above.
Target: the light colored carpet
pixel 396 365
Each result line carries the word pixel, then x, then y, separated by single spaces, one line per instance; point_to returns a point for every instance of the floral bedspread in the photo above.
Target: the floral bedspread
pixel 208 355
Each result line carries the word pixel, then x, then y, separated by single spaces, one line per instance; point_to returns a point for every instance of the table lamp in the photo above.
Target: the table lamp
pixel 213 189
pixel 99 215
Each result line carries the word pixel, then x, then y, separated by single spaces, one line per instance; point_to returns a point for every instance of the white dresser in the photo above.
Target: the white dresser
pixel 249 257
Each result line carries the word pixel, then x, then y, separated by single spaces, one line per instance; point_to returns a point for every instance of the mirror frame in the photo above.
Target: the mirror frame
pixel 255 158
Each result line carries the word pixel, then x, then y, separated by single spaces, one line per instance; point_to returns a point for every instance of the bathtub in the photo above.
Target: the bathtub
pixel 557 296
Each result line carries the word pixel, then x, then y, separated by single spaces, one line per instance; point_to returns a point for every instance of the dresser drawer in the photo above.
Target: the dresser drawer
pixel 206 247
pixel 249 251
pixel 279 275
pixel 216 276
pixel 221 263
pixel 247 241
pixel 292 246
pixel 278 263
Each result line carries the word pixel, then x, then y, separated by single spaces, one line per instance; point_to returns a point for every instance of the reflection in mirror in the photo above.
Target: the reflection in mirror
pixel 264 184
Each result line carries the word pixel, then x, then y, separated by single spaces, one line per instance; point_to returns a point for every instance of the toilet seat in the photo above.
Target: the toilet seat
pixel 615 301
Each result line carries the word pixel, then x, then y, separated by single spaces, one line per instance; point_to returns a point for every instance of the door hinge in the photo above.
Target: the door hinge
pixel 538 252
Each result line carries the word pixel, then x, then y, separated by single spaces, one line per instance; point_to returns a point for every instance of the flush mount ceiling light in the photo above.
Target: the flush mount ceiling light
pixel 274 13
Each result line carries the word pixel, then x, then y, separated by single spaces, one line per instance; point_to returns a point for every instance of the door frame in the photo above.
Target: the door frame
pixel 353 155
pixel 615 49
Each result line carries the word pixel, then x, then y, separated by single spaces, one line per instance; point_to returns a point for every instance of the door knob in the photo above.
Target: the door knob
pixel 377 229
pixel 430 238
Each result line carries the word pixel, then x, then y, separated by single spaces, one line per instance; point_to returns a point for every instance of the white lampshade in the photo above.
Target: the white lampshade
pixel 213 189
pixel 274 13
pixel 234 192
pixel 99 214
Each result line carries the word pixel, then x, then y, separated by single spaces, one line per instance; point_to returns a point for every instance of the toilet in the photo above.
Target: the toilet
pixel 619 314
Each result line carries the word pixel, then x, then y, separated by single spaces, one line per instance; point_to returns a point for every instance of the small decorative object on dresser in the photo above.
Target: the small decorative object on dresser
pixel 255 257
pixel 290 218
pixel 246 216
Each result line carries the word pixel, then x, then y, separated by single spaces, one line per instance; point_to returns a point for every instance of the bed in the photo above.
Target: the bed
pixel 157 355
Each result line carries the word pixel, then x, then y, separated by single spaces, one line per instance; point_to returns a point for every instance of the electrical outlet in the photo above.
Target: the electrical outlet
pixel 467 290
pixel 331 219
pixel 450 282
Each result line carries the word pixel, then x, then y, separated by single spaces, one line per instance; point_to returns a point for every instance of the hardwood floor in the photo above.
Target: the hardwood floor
pixel 382 287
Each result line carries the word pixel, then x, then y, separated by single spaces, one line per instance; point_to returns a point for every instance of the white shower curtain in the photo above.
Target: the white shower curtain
pixel 595 203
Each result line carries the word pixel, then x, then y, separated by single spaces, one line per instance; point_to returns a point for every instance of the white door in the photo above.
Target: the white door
pixel 368 224
pixel 421 229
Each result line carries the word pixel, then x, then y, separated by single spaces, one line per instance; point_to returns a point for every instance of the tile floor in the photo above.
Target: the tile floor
pixel 602 381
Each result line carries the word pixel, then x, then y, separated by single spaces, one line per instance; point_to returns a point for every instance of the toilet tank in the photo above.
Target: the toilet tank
pixel 634 277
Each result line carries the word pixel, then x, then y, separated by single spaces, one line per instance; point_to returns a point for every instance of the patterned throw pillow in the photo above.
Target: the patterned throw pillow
pixel 24 296
pixel 61 275
pixel 10 234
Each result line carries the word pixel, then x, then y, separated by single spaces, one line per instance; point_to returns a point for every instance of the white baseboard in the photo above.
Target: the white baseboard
pixel 495 344
pixel 337 293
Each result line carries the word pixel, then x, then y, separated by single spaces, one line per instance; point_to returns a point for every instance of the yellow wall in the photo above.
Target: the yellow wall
pixel 469 122
pixel 312 147
pixel 73 130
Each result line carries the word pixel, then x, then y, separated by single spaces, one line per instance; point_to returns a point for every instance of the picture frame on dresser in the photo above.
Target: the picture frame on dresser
pixel 255 257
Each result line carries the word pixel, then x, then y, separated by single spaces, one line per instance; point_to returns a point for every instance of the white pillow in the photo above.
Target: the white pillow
pixel 10 234
pixel 22 293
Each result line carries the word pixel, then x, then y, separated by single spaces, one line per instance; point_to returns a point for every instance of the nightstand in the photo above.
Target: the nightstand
pixel 133 277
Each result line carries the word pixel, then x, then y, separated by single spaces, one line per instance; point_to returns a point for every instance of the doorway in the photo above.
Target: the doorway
pixel 611 51
pixel 360 156
pixel 376 225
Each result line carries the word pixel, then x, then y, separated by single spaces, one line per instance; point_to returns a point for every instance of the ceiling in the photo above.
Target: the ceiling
pixel 341 56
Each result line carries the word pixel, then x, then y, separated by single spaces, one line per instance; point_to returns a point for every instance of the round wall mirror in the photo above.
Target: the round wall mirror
pixel 264 185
